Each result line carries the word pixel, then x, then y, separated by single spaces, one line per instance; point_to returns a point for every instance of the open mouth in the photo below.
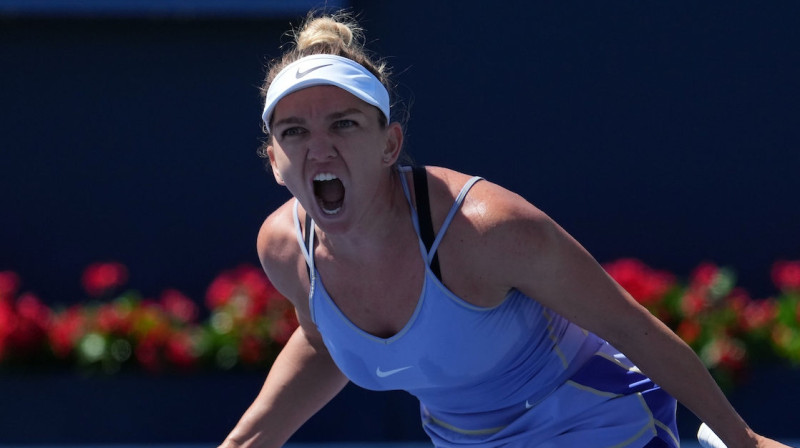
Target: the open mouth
pixel 329 192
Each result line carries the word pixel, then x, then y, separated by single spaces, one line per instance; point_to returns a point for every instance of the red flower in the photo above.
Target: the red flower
pixel 729 354
pixel 689 330
pixel 7 325
pixel 65 331
pixel 251 349
pixel 220 291
pixel 31 308
pixel 258 287
pixel 693 303
pixel 284 327
pixel 646 285
pixel 28 330
pixel 786 275
pixel 147 354
pixel 9 284
pixel 704 275
pixel 113 318
pixel 179 350
pixel 757 314
pixel 178 306
pixel 246 288
pixel 100 278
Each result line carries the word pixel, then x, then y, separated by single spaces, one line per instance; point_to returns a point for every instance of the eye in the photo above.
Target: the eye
pixel 292 131
pixel 344 124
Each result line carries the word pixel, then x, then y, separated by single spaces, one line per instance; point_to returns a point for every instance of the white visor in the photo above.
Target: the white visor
pixel 326 69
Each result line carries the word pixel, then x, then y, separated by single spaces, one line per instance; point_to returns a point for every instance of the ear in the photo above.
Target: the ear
pixel 274 165
pixel 394 144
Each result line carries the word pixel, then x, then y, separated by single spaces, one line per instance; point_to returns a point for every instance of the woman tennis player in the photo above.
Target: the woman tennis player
pixel 447 286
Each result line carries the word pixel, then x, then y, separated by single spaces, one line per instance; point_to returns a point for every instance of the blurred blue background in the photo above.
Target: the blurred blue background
pixel 665 132
pixel 128 131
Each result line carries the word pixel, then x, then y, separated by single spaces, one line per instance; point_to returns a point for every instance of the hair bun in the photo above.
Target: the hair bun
pixel 325 31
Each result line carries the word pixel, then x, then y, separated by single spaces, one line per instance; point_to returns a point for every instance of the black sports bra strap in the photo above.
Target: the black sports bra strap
pixel 424 213
pixel 307 239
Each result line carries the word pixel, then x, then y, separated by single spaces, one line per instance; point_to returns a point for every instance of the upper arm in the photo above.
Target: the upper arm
pixel 283 262
pixel 525 249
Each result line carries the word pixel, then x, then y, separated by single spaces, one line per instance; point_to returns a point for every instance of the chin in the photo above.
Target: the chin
pixel 331 222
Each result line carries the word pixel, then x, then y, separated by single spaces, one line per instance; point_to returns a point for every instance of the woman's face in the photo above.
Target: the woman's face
pixel 330 150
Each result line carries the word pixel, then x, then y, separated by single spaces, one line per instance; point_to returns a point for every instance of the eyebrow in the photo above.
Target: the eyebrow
pixel 330 117
pixel 344 113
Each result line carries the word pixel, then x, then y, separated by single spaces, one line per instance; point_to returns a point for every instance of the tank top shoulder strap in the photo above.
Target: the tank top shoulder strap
pixel 305 236
pixel 456 205
pixel 421 214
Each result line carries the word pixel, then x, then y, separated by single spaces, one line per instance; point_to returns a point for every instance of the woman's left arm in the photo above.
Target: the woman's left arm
pixel 545 262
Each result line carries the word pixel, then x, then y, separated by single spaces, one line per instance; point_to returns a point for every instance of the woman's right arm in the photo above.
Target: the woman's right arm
pixel 303 377
pixel 302 380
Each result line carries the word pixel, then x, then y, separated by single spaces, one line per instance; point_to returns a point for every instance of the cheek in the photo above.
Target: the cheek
pixel 375 148
pixel 281 166
pixel 280 159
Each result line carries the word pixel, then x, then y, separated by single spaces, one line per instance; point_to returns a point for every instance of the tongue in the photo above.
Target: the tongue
pixel 331 193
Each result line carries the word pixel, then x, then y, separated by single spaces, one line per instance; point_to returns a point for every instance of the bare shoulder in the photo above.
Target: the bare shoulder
pixel 281 256
pixel 487 208
pixel 275 231
pixel 493 232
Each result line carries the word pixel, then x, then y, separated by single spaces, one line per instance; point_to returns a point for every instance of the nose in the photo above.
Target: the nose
pixel 321 148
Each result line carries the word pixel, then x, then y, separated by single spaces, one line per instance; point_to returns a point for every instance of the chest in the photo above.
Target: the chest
pixel 379 296
pixel 447 343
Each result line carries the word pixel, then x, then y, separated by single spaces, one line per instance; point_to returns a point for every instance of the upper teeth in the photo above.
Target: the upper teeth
pixel 325 176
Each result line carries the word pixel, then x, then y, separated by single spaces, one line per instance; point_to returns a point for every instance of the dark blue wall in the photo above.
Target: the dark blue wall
pixel 134 141
pixel 666 132
pixel 145 411
pixel 651 130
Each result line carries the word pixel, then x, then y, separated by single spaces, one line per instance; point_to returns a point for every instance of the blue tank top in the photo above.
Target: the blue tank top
pixel 474 369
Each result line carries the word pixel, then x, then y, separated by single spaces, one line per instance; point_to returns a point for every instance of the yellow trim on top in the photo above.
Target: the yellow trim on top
pixel 668 430
pixel 655 422
pixel 636 437
pixel 592 390
pixel 649 426
pixel 469 432
pixel 611 358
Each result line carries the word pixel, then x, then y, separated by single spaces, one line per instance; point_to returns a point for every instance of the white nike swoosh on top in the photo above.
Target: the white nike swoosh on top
pixel 384 374
pixel 300 73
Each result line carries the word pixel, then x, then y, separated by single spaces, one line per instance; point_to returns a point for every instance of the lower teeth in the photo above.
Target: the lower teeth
pixel 331 212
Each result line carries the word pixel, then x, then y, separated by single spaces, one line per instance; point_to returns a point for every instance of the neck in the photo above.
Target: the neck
pixel 379 230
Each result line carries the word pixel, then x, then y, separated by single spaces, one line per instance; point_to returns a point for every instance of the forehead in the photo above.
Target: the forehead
pixel 317 100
